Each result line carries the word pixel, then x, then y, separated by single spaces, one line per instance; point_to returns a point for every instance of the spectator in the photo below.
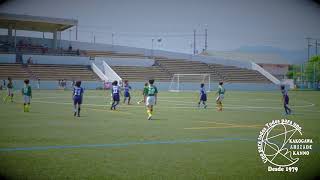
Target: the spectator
pixel 38 83
pixel 78 52
pixel 70 48
pixel 29 61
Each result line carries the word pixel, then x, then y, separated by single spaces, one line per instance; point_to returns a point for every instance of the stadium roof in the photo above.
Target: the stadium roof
pixel 35 23
pixel 259 58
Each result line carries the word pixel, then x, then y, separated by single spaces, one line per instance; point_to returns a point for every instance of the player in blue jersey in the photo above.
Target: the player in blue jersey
pixel 77 96
pixel 115 91
pixel 203 96
pixel 127 89
pixel 285 99
pixel 10 90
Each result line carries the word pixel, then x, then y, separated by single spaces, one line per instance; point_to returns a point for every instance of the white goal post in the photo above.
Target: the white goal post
pixel 189 82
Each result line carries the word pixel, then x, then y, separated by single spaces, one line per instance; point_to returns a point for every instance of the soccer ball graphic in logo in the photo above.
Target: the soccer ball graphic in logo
pixel 275 144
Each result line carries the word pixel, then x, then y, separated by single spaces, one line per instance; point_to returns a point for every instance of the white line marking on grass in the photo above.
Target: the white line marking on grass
pixel 183 107
pixel 125 144
pixel 223 127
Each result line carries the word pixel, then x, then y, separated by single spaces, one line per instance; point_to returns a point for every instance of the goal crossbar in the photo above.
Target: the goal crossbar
pixel 177 79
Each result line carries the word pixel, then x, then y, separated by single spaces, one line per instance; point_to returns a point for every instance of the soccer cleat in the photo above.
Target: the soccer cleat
pixel 150 116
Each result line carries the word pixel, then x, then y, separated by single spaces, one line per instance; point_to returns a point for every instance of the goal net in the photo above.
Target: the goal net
pixel 189 82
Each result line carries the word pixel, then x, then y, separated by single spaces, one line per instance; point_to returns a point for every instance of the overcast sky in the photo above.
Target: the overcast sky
pixel 231 23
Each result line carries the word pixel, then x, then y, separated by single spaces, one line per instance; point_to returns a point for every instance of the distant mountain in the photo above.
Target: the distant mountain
pixel 293 56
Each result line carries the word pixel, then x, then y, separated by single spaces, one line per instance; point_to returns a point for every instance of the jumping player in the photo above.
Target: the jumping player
pixel 77 95
pixel 115 95
pixel 127 89
pixel 27 95
pixel 151 98
pixel 203 96
pixel 144 93
pixel 220 92
pixel 10 90
pixel 285 99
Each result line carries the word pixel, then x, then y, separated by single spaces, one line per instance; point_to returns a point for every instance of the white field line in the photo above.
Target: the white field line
pixel 180 106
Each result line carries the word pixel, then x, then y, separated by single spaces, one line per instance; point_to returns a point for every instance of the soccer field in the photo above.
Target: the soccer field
pixel 182 142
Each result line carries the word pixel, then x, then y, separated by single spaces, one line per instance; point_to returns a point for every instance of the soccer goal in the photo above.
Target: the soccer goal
pixel 189 82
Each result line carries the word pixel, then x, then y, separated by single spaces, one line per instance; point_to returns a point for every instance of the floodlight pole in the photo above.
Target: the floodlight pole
pixel 69 34
pixel 152 46
pixel 15 39
pixel 194 41
pixel 178 78
pixel 314 73
pixel 316 47
pixel 209 83
pixel 206 39
pixel 112 36
pixel 77 32
pixel 309 45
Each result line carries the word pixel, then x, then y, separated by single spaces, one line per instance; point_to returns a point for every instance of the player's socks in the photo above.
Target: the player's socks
pixel 79 111
pixel 24 108
pixel 28 107
pixel 112 105
pixel 6 99
pixel 149 114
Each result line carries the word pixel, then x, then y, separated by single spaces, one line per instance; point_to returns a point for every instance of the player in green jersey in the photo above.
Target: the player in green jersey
pixel 220 97
pixel 151 98
pixel 27 95
pixel 144 93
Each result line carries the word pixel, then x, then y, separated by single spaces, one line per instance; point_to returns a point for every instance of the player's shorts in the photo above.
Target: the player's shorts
pixel 26 99
pixel 151 100
pixel 10 91
pixel 77 100
pixel 286 100
pixel 203 97
pixel 220 98
pixel 126 94
pixel 116 97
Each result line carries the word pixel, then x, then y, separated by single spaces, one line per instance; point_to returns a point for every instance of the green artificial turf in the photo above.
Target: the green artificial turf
pixel 181 142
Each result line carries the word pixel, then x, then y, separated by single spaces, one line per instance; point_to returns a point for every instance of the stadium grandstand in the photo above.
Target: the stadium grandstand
pixel 53 59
